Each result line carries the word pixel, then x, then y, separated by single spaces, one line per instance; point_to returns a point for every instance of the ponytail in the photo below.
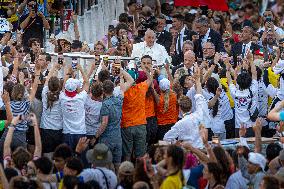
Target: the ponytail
pixel 51 98
pixel 166 100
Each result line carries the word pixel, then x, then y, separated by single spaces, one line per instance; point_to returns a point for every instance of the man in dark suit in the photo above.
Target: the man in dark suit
pixel 207 34
pixel 163 37
pixel 241 49
pixel 183 33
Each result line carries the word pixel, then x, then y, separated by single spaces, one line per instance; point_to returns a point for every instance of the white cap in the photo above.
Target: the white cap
pixel 72 84
pixel 164 84
pixel 258 159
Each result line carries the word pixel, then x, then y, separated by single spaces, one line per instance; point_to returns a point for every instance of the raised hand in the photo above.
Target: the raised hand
pixel 82 145
pixel 242 130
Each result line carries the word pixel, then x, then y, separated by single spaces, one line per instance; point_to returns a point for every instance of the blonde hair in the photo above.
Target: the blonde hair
pixel 166 100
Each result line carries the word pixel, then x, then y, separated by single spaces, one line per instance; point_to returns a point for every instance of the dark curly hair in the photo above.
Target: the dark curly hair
pixel 244 80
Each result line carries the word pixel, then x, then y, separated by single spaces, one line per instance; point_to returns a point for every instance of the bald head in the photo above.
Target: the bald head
pixel 150 37
pixel 189 59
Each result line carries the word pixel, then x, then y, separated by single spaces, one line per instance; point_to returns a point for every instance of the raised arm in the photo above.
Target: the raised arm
pixel 8 140
pixel 257 132
pixel 4 181
pixel 276 114
pixel 86 80
pixel 34 85
pixel 54 68
pixel 213 101
pixel 76 28
pixel 201 156
pixel 6 100
pixel 45 22
pixel 25 23
pixel 92 68
pixel 204 136
pixel 38 145
pixel 126 81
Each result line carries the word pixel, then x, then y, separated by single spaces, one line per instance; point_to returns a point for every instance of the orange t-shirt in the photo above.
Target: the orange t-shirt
pixel 170 116
pixel 133 108
pixel 150 106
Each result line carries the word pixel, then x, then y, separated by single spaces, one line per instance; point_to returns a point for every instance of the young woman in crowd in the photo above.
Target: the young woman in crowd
pixel 167 112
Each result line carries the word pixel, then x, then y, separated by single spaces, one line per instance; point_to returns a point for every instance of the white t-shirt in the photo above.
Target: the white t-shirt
pixel 98 175
pixel 93 109
pixel 224 112
pixel 51 118
pixel 242 100
pixel 73 112
pixel 262 99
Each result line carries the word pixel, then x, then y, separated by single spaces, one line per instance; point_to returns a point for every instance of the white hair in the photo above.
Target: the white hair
pixel 150 32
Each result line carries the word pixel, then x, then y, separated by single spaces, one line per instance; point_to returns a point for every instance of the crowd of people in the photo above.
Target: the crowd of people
pixel 200 79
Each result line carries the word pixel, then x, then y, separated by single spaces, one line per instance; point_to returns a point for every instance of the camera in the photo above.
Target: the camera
pixel 150 23
pixel 268 19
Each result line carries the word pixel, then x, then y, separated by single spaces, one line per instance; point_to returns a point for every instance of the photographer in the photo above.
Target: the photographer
pixel 32 24
pixel 269 21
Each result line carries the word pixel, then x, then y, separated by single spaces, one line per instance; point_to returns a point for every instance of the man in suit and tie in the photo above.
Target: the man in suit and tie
pixel 207 34
pixel 241 48
pixel 188 65
pixel 183 33
pixel 163 37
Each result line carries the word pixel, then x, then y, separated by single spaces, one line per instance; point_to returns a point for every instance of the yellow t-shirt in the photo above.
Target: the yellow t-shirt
pixel 273 79
pixel 224 82
pixel 172 182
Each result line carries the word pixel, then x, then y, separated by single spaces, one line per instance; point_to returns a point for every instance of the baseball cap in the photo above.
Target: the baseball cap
pixel 100 155
pixel 257 159
pixel 126 168
pixel 164 84
pixel 71 86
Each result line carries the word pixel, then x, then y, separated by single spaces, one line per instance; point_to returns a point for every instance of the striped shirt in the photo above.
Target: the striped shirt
pixel 21 108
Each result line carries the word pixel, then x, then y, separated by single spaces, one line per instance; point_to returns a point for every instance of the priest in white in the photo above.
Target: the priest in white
pixel 151 48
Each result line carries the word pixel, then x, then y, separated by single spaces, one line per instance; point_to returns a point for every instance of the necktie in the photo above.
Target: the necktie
pixel 244 50
pixel 158 34
pixel 179 44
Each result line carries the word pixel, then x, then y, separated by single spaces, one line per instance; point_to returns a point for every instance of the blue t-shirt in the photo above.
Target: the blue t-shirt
pixel 112 107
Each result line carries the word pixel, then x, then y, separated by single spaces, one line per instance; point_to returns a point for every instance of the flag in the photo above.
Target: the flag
pixel 217 5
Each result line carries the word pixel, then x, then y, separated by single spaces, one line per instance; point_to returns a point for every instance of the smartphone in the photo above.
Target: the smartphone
pixel 117 68
pixel 60 59
pixel 74 63
pixel 105 60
